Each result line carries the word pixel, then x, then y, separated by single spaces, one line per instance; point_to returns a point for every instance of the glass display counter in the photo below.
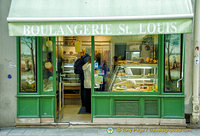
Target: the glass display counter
pixel 135 78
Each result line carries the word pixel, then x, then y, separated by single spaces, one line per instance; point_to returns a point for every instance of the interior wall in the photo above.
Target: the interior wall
pixel 8 86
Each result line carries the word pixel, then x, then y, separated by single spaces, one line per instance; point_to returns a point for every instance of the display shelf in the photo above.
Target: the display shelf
pixel 72 87
pixel 72 96
pixel 72 84
pixel 70 80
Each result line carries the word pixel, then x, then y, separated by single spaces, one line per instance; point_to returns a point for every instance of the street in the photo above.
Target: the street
pixel 98 132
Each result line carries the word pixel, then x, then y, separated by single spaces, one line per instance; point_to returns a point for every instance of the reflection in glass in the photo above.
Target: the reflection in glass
pixel 27 64
pixel 173 63
pixel 47 65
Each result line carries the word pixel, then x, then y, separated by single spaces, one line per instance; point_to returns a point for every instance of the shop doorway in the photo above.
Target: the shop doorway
pixel 70 95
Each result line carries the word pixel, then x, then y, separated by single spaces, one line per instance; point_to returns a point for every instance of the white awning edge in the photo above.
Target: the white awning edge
pixel 105 18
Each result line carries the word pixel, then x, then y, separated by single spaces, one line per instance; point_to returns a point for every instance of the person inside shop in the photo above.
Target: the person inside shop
pixel 98 57
pixel 86 54
pixel 78 70
pixel 115 59
pixel 87 84
pixel 105 68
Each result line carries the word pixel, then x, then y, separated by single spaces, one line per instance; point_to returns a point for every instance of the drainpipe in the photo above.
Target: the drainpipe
pixel 196 45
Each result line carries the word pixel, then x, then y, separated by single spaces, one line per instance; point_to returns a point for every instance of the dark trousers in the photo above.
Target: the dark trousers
pixel 88 100
pixel 81 76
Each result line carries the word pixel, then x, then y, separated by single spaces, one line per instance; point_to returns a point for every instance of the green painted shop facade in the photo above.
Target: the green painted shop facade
pixel 92 22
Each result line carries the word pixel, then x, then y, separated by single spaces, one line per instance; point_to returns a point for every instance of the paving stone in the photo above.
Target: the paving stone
pixel 34 131
pixel 90 132
pixel 17 132
pixel 4 131
pixel 69 132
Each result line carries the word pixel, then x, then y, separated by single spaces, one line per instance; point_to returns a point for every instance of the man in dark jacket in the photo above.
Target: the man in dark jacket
pixel 85 58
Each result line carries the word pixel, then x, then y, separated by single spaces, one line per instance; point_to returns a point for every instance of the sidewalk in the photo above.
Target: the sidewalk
pixel 97 132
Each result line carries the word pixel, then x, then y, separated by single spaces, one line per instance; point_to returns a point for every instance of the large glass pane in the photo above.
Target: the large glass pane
pixel 173 63
pixel 126 63
pixel 47 62
pixel 28 64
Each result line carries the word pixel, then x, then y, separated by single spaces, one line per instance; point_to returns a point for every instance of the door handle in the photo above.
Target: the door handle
pixel 179 81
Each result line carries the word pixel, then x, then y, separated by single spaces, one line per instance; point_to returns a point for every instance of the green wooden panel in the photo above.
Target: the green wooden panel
pixel 54 76
pixel 151 107
pixel 173 107
pixel 161 64
pixel 102 106
pixel 28 107
pixel 133 95
pixel 92 76
pixel 141 99
pixel 47 107
pixel 127 108
pixel 39 64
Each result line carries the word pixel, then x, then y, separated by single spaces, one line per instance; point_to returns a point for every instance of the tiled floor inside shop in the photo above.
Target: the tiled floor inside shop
pixel 70 114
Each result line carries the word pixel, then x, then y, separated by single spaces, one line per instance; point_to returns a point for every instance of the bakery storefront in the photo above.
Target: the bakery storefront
pixel 137 60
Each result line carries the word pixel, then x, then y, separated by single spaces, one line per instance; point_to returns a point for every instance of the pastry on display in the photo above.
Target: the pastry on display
pixel 141 60
pixel 155 61
pixel 147 59
pixel 121 74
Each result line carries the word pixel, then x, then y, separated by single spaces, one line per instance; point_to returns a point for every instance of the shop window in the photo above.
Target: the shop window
pixel 126 63
pixel 47 64
pixel 28 70
pixel 173 63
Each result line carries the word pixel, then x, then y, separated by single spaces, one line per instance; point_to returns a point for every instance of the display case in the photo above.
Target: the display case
pixel 70 80
pixel 70 77
pixel 135 78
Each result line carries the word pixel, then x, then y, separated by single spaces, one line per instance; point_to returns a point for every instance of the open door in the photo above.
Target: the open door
pixel 60 100
pixel 59 86
pixel 70 98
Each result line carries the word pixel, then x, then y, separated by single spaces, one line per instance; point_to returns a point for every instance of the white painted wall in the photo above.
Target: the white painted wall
pixel 8 87
pixel 188 73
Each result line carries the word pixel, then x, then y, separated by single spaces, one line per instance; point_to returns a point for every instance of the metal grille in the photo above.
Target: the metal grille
pixel 150 107
pixel 127 108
